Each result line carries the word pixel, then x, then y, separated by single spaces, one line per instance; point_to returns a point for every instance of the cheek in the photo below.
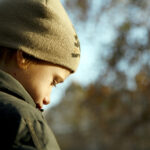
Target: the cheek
pixel 38 87
pixel 40 92
pixel 35 93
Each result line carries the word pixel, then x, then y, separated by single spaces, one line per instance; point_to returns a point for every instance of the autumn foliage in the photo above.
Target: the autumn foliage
pixel 101 118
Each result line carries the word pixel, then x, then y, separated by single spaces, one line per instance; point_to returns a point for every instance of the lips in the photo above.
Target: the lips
pixel 39 107
pixel 42 110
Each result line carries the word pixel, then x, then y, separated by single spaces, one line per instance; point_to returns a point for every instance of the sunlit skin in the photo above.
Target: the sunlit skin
pixel 39 79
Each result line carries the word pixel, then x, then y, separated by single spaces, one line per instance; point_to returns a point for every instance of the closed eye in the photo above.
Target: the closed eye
pixel 54 83
pixel 57 80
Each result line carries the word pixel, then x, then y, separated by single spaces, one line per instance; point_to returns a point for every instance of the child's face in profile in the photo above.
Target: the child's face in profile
pixel 39 79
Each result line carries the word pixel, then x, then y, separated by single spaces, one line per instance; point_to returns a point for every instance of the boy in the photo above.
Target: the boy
pixel 38 49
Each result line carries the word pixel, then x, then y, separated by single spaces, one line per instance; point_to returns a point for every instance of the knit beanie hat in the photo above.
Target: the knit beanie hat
pixel 40 28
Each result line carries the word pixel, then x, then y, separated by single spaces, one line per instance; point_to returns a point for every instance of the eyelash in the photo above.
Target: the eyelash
pixel 54 83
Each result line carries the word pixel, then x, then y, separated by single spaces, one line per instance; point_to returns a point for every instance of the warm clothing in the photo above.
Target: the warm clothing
pixel 22 126
pixel 40 28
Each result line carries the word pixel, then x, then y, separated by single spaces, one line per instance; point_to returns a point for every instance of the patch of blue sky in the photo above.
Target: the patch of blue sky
pixel 138 34
pixel 110 78
pixel 132 70
pixel 129 71
pixel 145 58
pixel 136 14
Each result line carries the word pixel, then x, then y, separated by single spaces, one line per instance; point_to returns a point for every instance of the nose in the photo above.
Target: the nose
pixel 46 100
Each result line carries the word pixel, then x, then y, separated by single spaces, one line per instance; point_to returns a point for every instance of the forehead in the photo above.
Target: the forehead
pixel 53 70
pixel 59 71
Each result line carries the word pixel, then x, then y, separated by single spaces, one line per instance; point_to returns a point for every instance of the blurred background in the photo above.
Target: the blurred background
pixel 105 104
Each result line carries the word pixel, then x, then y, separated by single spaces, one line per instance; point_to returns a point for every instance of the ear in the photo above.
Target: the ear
pixel 21 61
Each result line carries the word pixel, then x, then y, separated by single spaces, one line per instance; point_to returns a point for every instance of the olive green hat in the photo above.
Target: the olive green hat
pixel 42 29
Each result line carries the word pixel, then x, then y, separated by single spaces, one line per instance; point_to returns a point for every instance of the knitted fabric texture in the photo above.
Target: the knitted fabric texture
pixel 42 29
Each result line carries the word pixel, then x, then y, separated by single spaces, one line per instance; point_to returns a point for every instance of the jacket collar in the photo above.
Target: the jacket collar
pixel 10 85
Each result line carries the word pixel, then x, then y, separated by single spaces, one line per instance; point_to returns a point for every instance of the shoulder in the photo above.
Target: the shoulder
pixel 13 107
pixel 10 120
pixel 16 117
pixel 22 120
